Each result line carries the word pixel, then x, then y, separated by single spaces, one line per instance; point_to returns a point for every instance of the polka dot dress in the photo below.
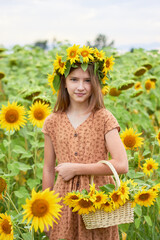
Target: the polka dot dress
pixel 85 144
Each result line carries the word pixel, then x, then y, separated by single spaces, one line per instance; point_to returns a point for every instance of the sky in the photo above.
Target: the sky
pixel 130 23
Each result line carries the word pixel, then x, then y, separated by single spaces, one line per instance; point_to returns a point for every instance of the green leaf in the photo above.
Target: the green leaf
pixel 81 58
pixel 148 220
pixel 95 68
pixel 24 167
pixel 107 188
pixel 32 183
pixel 14 168
pixel 64 58
pixel 56 82
pixel 137 222
pixel 84 191
pixel 158 202
pixel 27 236
pixel 68 68
pixel 19 149
pixel 124 227
pixel 138 210
pixel 84 66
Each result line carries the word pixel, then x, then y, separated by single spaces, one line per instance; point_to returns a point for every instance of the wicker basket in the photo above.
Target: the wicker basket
pixel 102 219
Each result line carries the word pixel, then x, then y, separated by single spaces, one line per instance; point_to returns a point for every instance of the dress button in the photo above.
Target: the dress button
pixel 75 153
pixel 75 135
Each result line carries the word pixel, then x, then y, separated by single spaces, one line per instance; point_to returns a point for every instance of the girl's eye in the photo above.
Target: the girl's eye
pixel 88 80
pixel 73 79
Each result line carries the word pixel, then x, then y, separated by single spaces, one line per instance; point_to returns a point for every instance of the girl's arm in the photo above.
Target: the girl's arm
pixel 49 164
pixel 119 160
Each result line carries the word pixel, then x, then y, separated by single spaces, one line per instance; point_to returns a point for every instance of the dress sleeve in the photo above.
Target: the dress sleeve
pixel 46 129
pixel 110 122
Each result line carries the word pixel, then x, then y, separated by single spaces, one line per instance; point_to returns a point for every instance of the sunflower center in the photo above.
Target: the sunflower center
pixel 130 141
pixel 107 204
pixel 159 135
pixel 74 197
pixel 148 85
pixel 144 196
pixel 11 116
pixel 6 227
pixel 149 167
pixel 115 197
pixel 107 63
pixel 85 204
pixel 123 190
pixel 39 114
pixel 61 64
pixel 72 54
pixel 2 185
pixel 39 207
pixel 98 198
pixel 84 53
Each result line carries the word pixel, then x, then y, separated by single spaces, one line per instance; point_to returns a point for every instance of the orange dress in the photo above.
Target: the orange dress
pixel 85 144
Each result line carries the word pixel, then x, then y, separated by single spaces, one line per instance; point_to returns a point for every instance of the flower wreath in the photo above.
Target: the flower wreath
pixel 84 56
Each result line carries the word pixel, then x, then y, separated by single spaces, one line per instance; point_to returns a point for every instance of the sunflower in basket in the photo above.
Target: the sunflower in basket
pixel 71 198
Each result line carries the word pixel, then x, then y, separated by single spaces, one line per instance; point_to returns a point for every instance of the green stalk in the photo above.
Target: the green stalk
pixel 8 161
pixel 35 153
pixel 32 234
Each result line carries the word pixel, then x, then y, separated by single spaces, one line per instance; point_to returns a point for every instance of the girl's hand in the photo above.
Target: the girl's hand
pixel 66 170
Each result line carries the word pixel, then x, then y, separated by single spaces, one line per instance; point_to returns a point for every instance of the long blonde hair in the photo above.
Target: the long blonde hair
pixel 95 100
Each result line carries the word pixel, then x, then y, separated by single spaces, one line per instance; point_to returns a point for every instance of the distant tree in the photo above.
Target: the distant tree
pixel 41 44
pixel 101 42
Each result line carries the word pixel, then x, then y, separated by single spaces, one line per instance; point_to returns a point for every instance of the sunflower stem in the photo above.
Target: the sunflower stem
pixel 35 152
pixel 8 162
pixel 12 202
pixel 32 234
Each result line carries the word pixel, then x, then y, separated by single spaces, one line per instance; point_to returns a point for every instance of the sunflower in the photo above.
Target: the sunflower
pixel 2 75
pixel 158 137
pixel 86 54
pixel 145 198
pixel 131 183
pixel 104 79
pixel 105 90
pixel 124 191
pixel 156 188
pixel 42 209
pixel 3 186
pixel 59 65
pixel 100 198
pixel 137 93
pixel 84 206
pixel 50 82
pixel 6 227
pixel 149 84
pixel 38 112
pixel 100 55
pixel 149 165
pixel 138 86
pixel 70 199
pixel 12 116
pixel 116 199
pixel 130 139
pixel 108 64
pixel 107 206
pixel 73 53
pixel 114 92
pixel 140 71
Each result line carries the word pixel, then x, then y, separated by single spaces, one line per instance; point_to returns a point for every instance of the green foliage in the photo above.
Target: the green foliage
pixel 21 156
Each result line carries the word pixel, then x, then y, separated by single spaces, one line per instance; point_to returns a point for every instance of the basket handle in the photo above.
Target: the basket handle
pixel 113 171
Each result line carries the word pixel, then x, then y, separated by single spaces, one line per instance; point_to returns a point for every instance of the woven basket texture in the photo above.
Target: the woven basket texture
pixel 102 219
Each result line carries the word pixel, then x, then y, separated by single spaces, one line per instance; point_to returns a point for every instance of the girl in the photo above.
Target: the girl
pixel 79 133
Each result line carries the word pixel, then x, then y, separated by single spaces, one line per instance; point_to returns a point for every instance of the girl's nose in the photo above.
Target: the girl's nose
pixel 81 85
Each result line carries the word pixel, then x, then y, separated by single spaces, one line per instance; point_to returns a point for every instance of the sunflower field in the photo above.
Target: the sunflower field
pixel 26 99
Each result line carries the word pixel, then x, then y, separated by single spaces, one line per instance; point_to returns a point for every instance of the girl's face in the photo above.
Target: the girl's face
pixel 78 84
